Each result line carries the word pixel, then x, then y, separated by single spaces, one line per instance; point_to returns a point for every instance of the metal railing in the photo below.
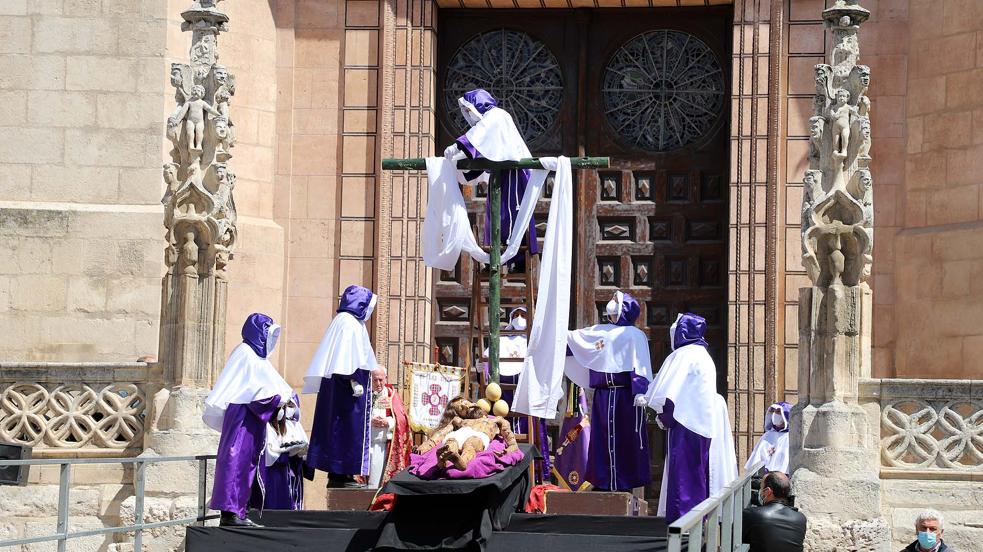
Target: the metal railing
pixel 717 521
pixel 64 489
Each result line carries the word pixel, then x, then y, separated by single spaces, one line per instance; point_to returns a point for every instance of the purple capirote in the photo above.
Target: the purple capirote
pixel 355 300
pixel 513 181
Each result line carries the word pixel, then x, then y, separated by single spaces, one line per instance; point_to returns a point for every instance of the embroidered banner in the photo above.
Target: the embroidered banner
pixel 431 386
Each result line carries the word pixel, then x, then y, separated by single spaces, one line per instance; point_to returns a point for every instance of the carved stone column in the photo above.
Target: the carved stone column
pixel 200 222
pixel 834 446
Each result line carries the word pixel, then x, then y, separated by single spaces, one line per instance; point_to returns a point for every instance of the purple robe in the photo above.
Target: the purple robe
pixel 240 453
pixel 340 434
pixel 687 475
pixel 618 456
pixel 513 182
pixel 283 481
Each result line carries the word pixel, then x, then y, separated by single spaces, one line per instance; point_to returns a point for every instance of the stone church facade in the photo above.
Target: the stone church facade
pixel 703 215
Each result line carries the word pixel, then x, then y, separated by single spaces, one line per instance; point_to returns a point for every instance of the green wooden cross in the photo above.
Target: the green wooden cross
pixel 495 213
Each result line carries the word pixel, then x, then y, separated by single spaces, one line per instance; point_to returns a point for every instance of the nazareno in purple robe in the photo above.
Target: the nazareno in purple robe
pixel 243 440
pixel 618 455
pixel 513 182
pixel 341 434
pixel 240 454
pixel 688 466
pixel 283 481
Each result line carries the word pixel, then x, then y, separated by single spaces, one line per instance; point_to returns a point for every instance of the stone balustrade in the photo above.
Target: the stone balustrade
pixel 76 409
pixel 929 428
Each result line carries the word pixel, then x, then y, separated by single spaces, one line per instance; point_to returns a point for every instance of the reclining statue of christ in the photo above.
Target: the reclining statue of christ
pixel 464 431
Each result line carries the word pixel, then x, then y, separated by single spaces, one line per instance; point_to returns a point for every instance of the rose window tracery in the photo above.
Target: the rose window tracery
pixel 520 71
pixel 663 90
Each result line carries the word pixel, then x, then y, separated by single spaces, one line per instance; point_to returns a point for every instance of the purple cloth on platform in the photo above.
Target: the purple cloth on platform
pixel 484 464
pixel 687 479
pixel 340 432
pixel 513 188
pixel 618 456
pixel 240 451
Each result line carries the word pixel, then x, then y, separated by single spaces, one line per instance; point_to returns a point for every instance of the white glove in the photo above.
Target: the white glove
pixel 641 401
pixel 357 389
pixel 451 151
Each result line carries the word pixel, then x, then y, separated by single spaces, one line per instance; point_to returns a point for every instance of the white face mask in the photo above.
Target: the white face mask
pixel 469 112
pixel 777 420
pixel 371 307
pixel 271 341
pixel 612 311
pixel 519 323
pixel 290 412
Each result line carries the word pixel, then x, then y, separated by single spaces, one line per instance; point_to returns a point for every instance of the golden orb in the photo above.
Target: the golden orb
pixel 501 408
pixel 484 405
pixel 493 392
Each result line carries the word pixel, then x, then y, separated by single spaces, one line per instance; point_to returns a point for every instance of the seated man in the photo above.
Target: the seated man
pixel 775 526
pixel 464 431
pixel 929 528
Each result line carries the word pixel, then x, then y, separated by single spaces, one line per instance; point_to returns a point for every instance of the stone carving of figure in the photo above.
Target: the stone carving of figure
pixel 836 260
pixel 222 256
pixel 224 135
pixel 224 204
pixel 840 116
pixel 815 135
pixel 866 185
pixel 813 185
pixel 203 52
pixel 170 177
pixel 189 255
pixel 193 114
pixel 864 151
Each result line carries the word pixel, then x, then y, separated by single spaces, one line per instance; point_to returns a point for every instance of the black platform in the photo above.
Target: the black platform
pixel 359 531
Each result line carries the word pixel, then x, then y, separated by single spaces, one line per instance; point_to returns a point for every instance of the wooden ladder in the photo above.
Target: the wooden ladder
pixel 518 290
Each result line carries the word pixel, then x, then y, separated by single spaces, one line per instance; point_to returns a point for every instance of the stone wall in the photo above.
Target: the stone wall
pixel 938 260
pixel 81 114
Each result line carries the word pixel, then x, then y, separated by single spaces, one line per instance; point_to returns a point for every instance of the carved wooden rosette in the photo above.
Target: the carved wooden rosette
pixel 837 210
pixel 199 210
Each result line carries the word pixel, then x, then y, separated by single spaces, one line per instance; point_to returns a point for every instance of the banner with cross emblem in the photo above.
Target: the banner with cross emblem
pixel 431 387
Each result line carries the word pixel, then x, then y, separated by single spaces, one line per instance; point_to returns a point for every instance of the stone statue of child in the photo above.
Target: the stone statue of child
pixel 840 115
pixel 193 114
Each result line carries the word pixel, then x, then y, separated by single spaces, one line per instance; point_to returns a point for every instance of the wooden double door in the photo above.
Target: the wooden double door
pixel 650 89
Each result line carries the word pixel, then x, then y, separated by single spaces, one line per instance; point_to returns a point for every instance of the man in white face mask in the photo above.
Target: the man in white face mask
pixel 512 350
pixel 772 448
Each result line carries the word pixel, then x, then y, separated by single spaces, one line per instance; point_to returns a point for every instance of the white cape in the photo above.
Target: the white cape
pixel 511 346
pixel 772 449
pixel 345 347
pixel 245 378
pixel 688 379
pixel 446 228
pixel 607 348
pixel 540 387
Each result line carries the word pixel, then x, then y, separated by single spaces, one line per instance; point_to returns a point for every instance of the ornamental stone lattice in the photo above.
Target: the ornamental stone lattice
pixel 834 444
